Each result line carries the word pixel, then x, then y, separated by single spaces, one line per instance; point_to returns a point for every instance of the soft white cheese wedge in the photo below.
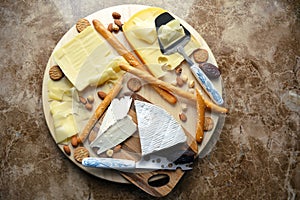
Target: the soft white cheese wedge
pixel 117 110
pixel 158 129
pixel 115 134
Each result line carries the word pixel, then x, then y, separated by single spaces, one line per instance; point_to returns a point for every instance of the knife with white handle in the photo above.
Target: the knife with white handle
pixel 154 163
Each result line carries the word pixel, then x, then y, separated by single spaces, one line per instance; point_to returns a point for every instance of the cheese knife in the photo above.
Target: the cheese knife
pixel 151 163
pixel 178 46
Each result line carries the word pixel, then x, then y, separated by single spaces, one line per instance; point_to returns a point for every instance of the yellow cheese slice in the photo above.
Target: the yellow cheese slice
pixel 59 90
pixel 65 127
pixel 63 105
pixel 140 30
pixel 170 33
pixel 84 58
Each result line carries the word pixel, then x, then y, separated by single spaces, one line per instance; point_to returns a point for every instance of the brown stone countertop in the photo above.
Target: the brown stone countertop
pixel 257 47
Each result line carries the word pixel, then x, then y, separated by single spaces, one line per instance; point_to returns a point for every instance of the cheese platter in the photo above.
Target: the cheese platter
pixel 111 98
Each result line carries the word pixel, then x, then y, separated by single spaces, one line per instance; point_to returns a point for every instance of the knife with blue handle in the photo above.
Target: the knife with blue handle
pixel 204 81
pixel 154 163
pixel 178 46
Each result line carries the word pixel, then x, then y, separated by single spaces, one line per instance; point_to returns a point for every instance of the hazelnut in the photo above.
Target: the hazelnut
pixel 191 83
pixel 184 78
pixel 109 153
pixel 90 99
pixel 178 70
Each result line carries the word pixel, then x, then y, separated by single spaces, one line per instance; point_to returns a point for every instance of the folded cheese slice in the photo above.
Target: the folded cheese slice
pixel 158 129
pixel 87 60
pixel 65 109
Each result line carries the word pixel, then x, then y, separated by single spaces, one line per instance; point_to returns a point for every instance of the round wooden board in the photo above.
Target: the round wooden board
pixel 126 12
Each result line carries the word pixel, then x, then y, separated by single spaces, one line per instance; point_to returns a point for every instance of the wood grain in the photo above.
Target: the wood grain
pixel 131 149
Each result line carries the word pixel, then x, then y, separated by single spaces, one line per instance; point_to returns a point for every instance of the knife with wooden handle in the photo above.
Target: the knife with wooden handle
pixel 133 61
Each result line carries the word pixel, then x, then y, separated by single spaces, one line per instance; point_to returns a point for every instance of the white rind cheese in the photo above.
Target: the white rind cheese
pixel 115 134
pixel 158 130
pixel 117 110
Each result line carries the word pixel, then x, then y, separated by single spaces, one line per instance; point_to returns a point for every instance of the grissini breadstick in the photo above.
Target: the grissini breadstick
pixel 175 90
pixel 201 117
pixel 133 61
pixel 101 109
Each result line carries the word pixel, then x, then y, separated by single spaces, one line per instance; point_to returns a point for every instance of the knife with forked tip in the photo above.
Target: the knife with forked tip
pixel 151 163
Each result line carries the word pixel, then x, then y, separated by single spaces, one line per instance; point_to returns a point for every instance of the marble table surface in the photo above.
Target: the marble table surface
pixel 257 47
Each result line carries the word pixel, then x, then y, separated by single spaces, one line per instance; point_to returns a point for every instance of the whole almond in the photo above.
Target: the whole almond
pixel 116 15
pixel 110 27
pixel 82 100
pixel 67 150
pixel 92 136
pixel 117 148
pixel 89 106
pixel 74 141
pixel 182 117
pixel 118 23
pixel 101 95
pixel 179 81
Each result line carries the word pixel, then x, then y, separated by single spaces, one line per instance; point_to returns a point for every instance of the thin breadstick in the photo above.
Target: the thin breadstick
pixel 175 90
pixel 129 57
pixel 212 106
pixel 201 117
pixel 101 109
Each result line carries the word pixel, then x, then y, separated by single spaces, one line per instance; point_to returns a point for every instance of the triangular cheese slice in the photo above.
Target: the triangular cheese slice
pixel 158 129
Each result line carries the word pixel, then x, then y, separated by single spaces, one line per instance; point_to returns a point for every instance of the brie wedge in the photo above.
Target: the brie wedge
pixel 158 130
pixel 117 110
pixel 114 135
